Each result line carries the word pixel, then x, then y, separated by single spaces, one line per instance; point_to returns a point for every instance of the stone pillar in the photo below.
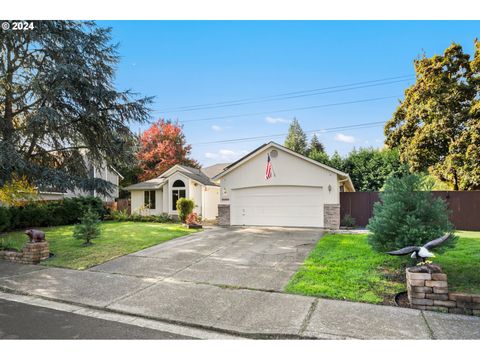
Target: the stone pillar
pixel 427 288
pixel 224 214
pixel 331 216
pixel 33 252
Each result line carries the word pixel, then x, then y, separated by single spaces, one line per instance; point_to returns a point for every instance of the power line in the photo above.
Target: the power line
pixel 291 109
pixel 321 131
pixel 292 95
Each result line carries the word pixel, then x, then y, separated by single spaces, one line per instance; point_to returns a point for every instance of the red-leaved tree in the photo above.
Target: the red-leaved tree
pixel 162 146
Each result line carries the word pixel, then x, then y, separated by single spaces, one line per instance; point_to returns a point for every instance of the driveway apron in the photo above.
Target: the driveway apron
pixel 255 258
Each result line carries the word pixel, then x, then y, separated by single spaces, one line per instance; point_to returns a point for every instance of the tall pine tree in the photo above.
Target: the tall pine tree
pixel 296 139
pixel 316 145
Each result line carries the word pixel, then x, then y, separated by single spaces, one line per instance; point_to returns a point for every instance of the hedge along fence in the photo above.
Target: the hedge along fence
pixel 52 213
pixel 464 207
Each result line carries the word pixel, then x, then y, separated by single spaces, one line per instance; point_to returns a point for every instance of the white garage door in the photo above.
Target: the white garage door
pixel 277 206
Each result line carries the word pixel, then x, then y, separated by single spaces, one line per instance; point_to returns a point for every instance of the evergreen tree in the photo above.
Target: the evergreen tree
pixel 369 168
pixel 407 215
pixel 316 145
pixel 58 102
pixel 336 161
pixel 89 227
pixel 296 139
pixel 320 156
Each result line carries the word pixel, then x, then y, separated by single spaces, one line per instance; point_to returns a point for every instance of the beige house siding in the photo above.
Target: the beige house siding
pixel 300 192
pixel 211 199
pixel 138 203
pixel 288 169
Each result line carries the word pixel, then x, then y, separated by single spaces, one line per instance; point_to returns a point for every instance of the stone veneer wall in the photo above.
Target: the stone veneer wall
pixel 32 253
pixel 331 216
pixel 429 291
pixel 224 214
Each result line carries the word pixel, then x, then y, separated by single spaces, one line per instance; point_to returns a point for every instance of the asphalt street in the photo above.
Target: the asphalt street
pixel 22 321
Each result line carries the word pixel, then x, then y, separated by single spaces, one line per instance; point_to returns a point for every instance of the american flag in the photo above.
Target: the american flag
pixel 268 169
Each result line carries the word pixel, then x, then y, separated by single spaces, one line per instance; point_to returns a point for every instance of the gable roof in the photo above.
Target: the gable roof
pixel 156 183
pixel 152 184
pixel 199 177
pixel 253 153
pixel 214 169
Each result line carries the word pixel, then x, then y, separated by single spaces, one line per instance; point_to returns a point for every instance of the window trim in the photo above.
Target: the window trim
pixel 147 199
pixel 178 186
pixel 177 192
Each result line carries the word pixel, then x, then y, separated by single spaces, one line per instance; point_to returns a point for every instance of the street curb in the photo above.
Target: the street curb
pixel 246 335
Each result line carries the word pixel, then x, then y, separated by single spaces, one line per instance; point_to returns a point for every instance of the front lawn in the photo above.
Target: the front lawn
pixel 117 239
pixel 344 266
pixel 461 264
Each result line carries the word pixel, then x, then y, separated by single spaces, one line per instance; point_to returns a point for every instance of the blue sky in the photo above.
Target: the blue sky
pixel 203 62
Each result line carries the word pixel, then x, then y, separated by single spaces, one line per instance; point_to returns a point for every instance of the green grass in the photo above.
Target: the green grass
pixel 344 266
pixel 461 264
pixel 117 239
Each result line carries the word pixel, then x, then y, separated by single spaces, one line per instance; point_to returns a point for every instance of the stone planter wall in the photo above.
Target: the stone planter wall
pixel 429 291
pixel 32 253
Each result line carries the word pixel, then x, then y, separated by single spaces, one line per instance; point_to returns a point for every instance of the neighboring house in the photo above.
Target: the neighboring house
pixel 105 172
pixel 300 191
pixel 159 196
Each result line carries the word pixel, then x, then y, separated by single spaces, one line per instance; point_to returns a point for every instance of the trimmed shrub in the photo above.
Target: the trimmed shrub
pixel 123 216
pixel 348 221
pixel 119 215
pixel 52 213
pixel 407 215
pixel 184 207
pixel 33 215
pixel 165 218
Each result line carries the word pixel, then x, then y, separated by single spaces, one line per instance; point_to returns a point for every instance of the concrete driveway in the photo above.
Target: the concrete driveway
pixel 255 258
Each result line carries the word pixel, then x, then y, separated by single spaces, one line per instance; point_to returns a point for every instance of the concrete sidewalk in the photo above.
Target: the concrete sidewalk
pixel 250 313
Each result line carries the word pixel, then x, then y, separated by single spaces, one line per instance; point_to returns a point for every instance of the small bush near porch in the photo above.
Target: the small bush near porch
pixel 116 239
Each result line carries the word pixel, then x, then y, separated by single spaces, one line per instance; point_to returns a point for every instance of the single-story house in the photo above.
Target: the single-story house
pixel 159 195
pixel 298 191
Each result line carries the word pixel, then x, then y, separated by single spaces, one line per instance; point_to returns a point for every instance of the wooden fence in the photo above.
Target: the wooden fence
pixel 464 206
pixel 120 205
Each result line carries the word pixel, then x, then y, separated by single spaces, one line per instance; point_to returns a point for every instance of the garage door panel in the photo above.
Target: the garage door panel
pixel 277 206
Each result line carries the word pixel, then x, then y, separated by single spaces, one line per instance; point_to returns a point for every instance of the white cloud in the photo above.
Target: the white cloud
pixel 272 120
pixel 345 138
pixel 216 128
pixel 225 155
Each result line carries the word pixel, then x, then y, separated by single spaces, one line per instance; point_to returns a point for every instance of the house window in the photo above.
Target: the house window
pixel 149 199
pixel 178 192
